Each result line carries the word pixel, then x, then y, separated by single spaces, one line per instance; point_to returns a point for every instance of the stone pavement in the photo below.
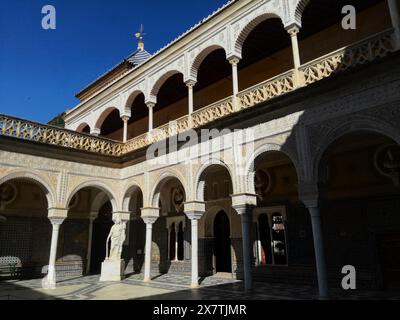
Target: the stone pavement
pixel 169 287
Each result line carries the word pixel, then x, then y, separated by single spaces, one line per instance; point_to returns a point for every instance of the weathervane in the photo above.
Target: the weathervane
pixel 140 36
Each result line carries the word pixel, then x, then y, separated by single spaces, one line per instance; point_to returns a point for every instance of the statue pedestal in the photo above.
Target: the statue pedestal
pixel 112 270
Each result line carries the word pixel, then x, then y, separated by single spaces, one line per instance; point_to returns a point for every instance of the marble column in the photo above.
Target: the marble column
pixel 125 119
pixel 320 260
pixel 89 247
pixel 194 211
pixel 244 205
pixel 149 221
pixel 96 132
pixel 176 240
pixel 49 282
pixel 293 32
pixel 190 84
pixel 395 17
pixel 151 106
pixel 235 80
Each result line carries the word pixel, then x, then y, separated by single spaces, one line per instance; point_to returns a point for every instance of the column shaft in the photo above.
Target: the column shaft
pixel 151 123
pixel 147 264
pixel 195 253
pixel 295 49
pixel 125 137
pixel 89 248
pixel 247 256
pixel 176 241
pixel 319 251
pixel 51 274
pixel 395 17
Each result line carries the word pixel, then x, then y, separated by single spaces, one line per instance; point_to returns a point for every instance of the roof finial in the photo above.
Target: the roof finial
pixel 140 36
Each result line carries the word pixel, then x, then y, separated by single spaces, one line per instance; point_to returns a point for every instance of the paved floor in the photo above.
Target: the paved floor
pixel 169 287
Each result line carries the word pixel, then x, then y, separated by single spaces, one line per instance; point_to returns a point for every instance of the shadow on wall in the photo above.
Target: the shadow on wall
pixel 348 165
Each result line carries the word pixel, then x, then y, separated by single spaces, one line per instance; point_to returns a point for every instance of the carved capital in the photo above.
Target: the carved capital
pixel 190 83
pixel 150 105
pixel 244 203
pixel 293 30
pixel 124 216
pixel 125 118
pixel 150 212
pixel 149 220
pixel 234 61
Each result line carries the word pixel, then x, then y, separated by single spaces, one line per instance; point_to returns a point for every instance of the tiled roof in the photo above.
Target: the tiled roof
pixel 138 57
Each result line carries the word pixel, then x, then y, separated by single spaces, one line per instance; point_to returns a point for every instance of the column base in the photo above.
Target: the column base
pixel 194 286
pixel 147 280
pixel 112 271
pixel 48 284
pixel 49 281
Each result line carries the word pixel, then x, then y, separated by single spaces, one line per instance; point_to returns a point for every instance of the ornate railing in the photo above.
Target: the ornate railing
pixel 36 132
pixel 267 90
pixel 377 46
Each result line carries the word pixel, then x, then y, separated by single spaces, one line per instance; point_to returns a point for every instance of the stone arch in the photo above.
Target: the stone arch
pixel 350 126
pixel 159 183
pixel 299 9
pixel 270 147
pixel 249 27
pixel 131 98
pixel 155 88
pixel 209 219
pixel 103 116
pixel 82 126
pixel 133 188
pixel 199 58
pixel 39 180
pixel 97 185
pixel 200 184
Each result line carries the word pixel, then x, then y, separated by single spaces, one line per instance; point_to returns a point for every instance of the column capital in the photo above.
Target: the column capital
pixel 293 29
pixel 125 216
pixel 243 202
pixel 58 213
pixel 190 83
pixel 57 221
pixel 150 105
pixel 311 201
pixel 150 212
pixel 125 118
pixel 234 60
pixel 149 220
pixel 194 210
pixel 95 132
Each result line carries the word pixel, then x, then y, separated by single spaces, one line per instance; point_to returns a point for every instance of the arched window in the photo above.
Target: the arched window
pixel 176 241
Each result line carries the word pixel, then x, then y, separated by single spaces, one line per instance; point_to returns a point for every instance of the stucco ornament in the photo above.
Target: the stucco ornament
pixel 117 236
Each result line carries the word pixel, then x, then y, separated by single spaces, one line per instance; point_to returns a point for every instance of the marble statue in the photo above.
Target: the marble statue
pixel 117 236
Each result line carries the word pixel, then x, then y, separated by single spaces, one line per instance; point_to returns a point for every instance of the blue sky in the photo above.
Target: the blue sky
pixel 42 70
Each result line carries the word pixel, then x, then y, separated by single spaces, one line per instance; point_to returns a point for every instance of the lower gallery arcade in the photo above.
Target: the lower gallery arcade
pixel 358 201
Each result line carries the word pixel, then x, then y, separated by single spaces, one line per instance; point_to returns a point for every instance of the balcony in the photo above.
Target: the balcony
pixel 336 62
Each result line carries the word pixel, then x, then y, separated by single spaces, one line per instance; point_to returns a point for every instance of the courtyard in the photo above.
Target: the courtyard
pixel 172 287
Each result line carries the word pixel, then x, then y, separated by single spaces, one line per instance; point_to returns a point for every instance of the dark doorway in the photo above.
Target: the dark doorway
pixel 101 229
pixel 222 243
pixel 389 248
pixel 181 248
